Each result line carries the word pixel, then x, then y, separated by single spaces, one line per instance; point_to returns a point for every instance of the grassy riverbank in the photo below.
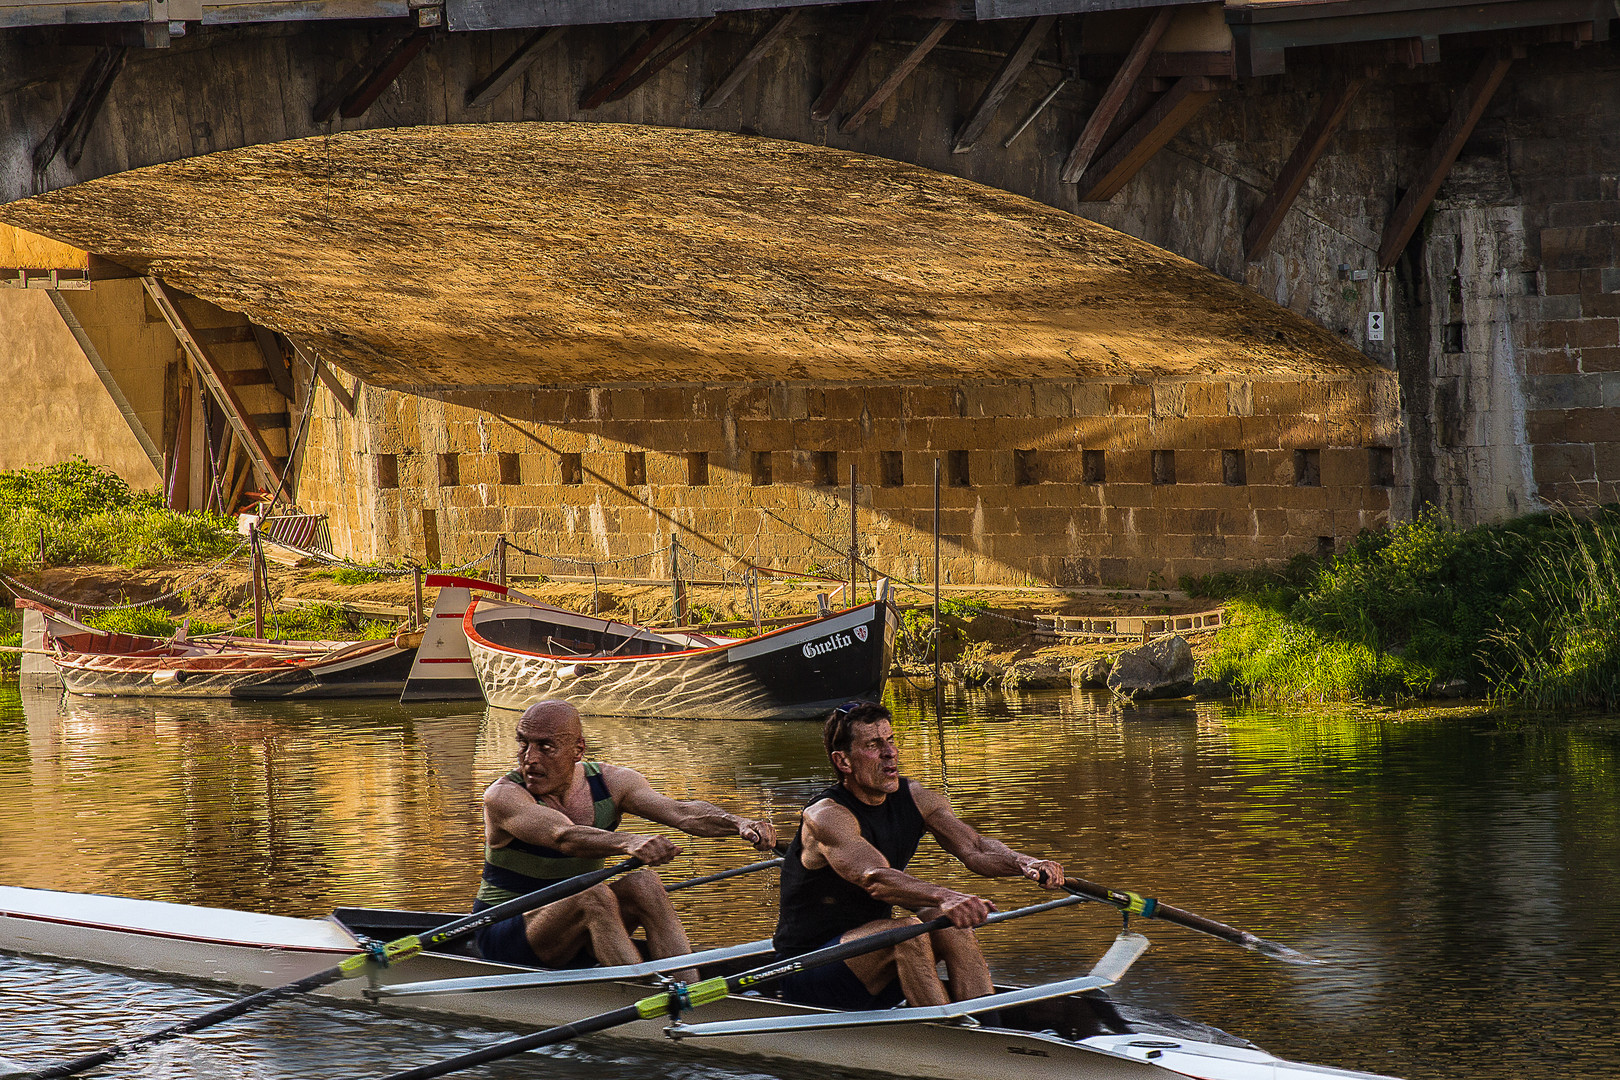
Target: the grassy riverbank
pixel 1527 611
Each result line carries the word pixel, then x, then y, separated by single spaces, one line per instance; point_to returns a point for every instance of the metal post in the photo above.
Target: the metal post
pixel 500 559
pixel 42 547
pixel 936 572
pixel 753 594
pixel 850 601
pixel 258 603
pixel 416 572
pixel 596 599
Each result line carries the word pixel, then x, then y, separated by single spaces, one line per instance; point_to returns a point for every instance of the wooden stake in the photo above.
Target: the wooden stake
pixel 416 572
pixel 936 572
pixel 854 547
pixel 258 604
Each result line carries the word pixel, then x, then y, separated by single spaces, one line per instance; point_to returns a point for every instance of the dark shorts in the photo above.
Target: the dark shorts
pixel 834 986
pixel 506 942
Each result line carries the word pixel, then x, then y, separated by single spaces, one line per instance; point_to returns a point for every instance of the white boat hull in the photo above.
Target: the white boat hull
pixel 245 949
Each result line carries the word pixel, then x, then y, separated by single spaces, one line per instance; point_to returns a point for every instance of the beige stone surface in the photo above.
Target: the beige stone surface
pixel 58 408
pixel 517 254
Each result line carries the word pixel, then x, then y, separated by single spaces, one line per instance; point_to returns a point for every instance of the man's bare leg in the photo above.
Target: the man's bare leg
pixel 964 963
pixel 912 962
pixel 557 931
pixel 644 902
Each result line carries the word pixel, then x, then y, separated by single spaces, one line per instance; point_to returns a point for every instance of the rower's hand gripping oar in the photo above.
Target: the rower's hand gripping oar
pixel 681 997
pixel 1130 903
pixel 391 952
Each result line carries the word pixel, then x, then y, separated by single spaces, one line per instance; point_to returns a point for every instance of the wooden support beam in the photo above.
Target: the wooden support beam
pixel 1312 142
pixel 826 102
pixel 249 377
pixel 750 60
pixel 215 377
pixel 1470 106
pixel 902 71
pixel 384 75
pixel 344 396
pixel 984 110
pixel 386 45
pixel 1091 136
pixel 71 128
pixel 275 361
pixel 681 47
pixel 628 64
pixel 1147 137
pixel 225 335
pixel 510 69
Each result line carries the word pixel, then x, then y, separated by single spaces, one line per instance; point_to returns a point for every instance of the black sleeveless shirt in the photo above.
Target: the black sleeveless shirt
pixel 818 905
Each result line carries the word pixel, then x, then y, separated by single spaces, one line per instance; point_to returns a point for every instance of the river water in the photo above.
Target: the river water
pixel 1461 871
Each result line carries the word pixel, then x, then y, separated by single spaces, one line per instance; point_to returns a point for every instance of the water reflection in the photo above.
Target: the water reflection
pixel 1459 870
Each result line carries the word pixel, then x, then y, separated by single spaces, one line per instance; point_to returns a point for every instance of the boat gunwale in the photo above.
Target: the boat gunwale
pixel 474 636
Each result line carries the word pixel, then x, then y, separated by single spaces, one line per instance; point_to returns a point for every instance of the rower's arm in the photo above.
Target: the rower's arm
pixel 511 812
pixel 831 833
pixel 984 855
pixel 696 818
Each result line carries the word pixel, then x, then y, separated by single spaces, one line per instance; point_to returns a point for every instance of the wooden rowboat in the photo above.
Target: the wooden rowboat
pixel 1062 1031
pixel 521 650
pixel 101 663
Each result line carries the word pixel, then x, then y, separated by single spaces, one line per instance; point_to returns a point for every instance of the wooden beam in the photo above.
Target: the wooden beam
pixel 216 378
pixel 225 335
pixel 514 66
pixel 826 102
pixel 1147 137
pixel 72 127
pixel 384 75
pixel 275 361
pixel 1119 88
pixel 1312 142
pixel 682 45
pixel 324 373
pixel 902 71
pixel 750 60
pixel 374 57
pixel 629 63
pixel 984 110
pixel 1448 144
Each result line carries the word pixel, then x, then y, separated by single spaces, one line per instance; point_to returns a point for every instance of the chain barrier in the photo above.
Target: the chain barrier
pixel 46 598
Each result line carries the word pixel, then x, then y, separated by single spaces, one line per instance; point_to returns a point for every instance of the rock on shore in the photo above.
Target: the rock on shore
pixel 1159 669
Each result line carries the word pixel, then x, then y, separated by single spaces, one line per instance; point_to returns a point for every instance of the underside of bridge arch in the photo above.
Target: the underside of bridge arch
pixel 586 337
pixel 588 253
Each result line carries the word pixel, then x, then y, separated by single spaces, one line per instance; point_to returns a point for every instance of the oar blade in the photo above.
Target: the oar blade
pixel 1273 951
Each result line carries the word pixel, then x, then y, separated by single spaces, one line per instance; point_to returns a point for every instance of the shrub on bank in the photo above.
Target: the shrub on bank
pixel 82 513
pixel 1529 609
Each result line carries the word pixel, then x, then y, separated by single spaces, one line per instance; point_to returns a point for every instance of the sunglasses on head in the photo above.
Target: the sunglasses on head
pixel 848 707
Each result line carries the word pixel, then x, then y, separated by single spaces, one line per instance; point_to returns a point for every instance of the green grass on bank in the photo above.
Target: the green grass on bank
pixel 80 513
pixel 1528 611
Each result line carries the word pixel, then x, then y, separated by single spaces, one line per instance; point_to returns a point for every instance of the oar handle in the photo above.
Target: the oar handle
pixel 735 871
pixel 468 924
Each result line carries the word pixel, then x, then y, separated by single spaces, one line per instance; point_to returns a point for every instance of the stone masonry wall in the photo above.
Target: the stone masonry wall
pixel 1194 476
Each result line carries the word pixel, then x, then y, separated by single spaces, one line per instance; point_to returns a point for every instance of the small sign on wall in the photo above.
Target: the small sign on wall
pixel 1375 326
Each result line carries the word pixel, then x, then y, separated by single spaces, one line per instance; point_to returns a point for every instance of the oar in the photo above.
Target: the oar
pixel 1149 908
pixel 388 953
pixel 681 997
pixel 735 871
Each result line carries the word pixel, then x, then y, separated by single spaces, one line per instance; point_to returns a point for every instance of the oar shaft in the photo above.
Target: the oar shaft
pixel 400 949
pixel 706 992
pixel 736 871
pixel 1150 908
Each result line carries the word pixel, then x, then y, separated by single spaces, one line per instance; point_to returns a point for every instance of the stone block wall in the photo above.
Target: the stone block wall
pixel 1069 483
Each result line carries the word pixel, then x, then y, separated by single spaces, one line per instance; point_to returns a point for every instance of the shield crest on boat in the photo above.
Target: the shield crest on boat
pixel 860 632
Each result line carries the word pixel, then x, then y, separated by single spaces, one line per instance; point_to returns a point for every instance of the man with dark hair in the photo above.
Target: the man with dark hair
pixel 846 869
pixel 554 817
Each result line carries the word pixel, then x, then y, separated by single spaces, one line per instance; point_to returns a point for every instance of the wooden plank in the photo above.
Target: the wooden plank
pixel 1147 137
pixel 1448 144
pixel 250 377
pixel 71 128
pixel 225 335
pixel 384 75
pixel 215 378
pixel 275 361
pixel 984 110
pixel 1091 136
pixel 683 44
pixel 1290 181
pixel 902 71
pixel 628 64
pixel 826 102
pixel 537 45
pixel 374 57
pixel 324 373
pixel 760 49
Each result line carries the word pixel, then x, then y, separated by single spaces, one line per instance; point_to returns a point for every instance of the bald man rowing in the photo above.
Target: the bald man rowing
pixel 554 817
